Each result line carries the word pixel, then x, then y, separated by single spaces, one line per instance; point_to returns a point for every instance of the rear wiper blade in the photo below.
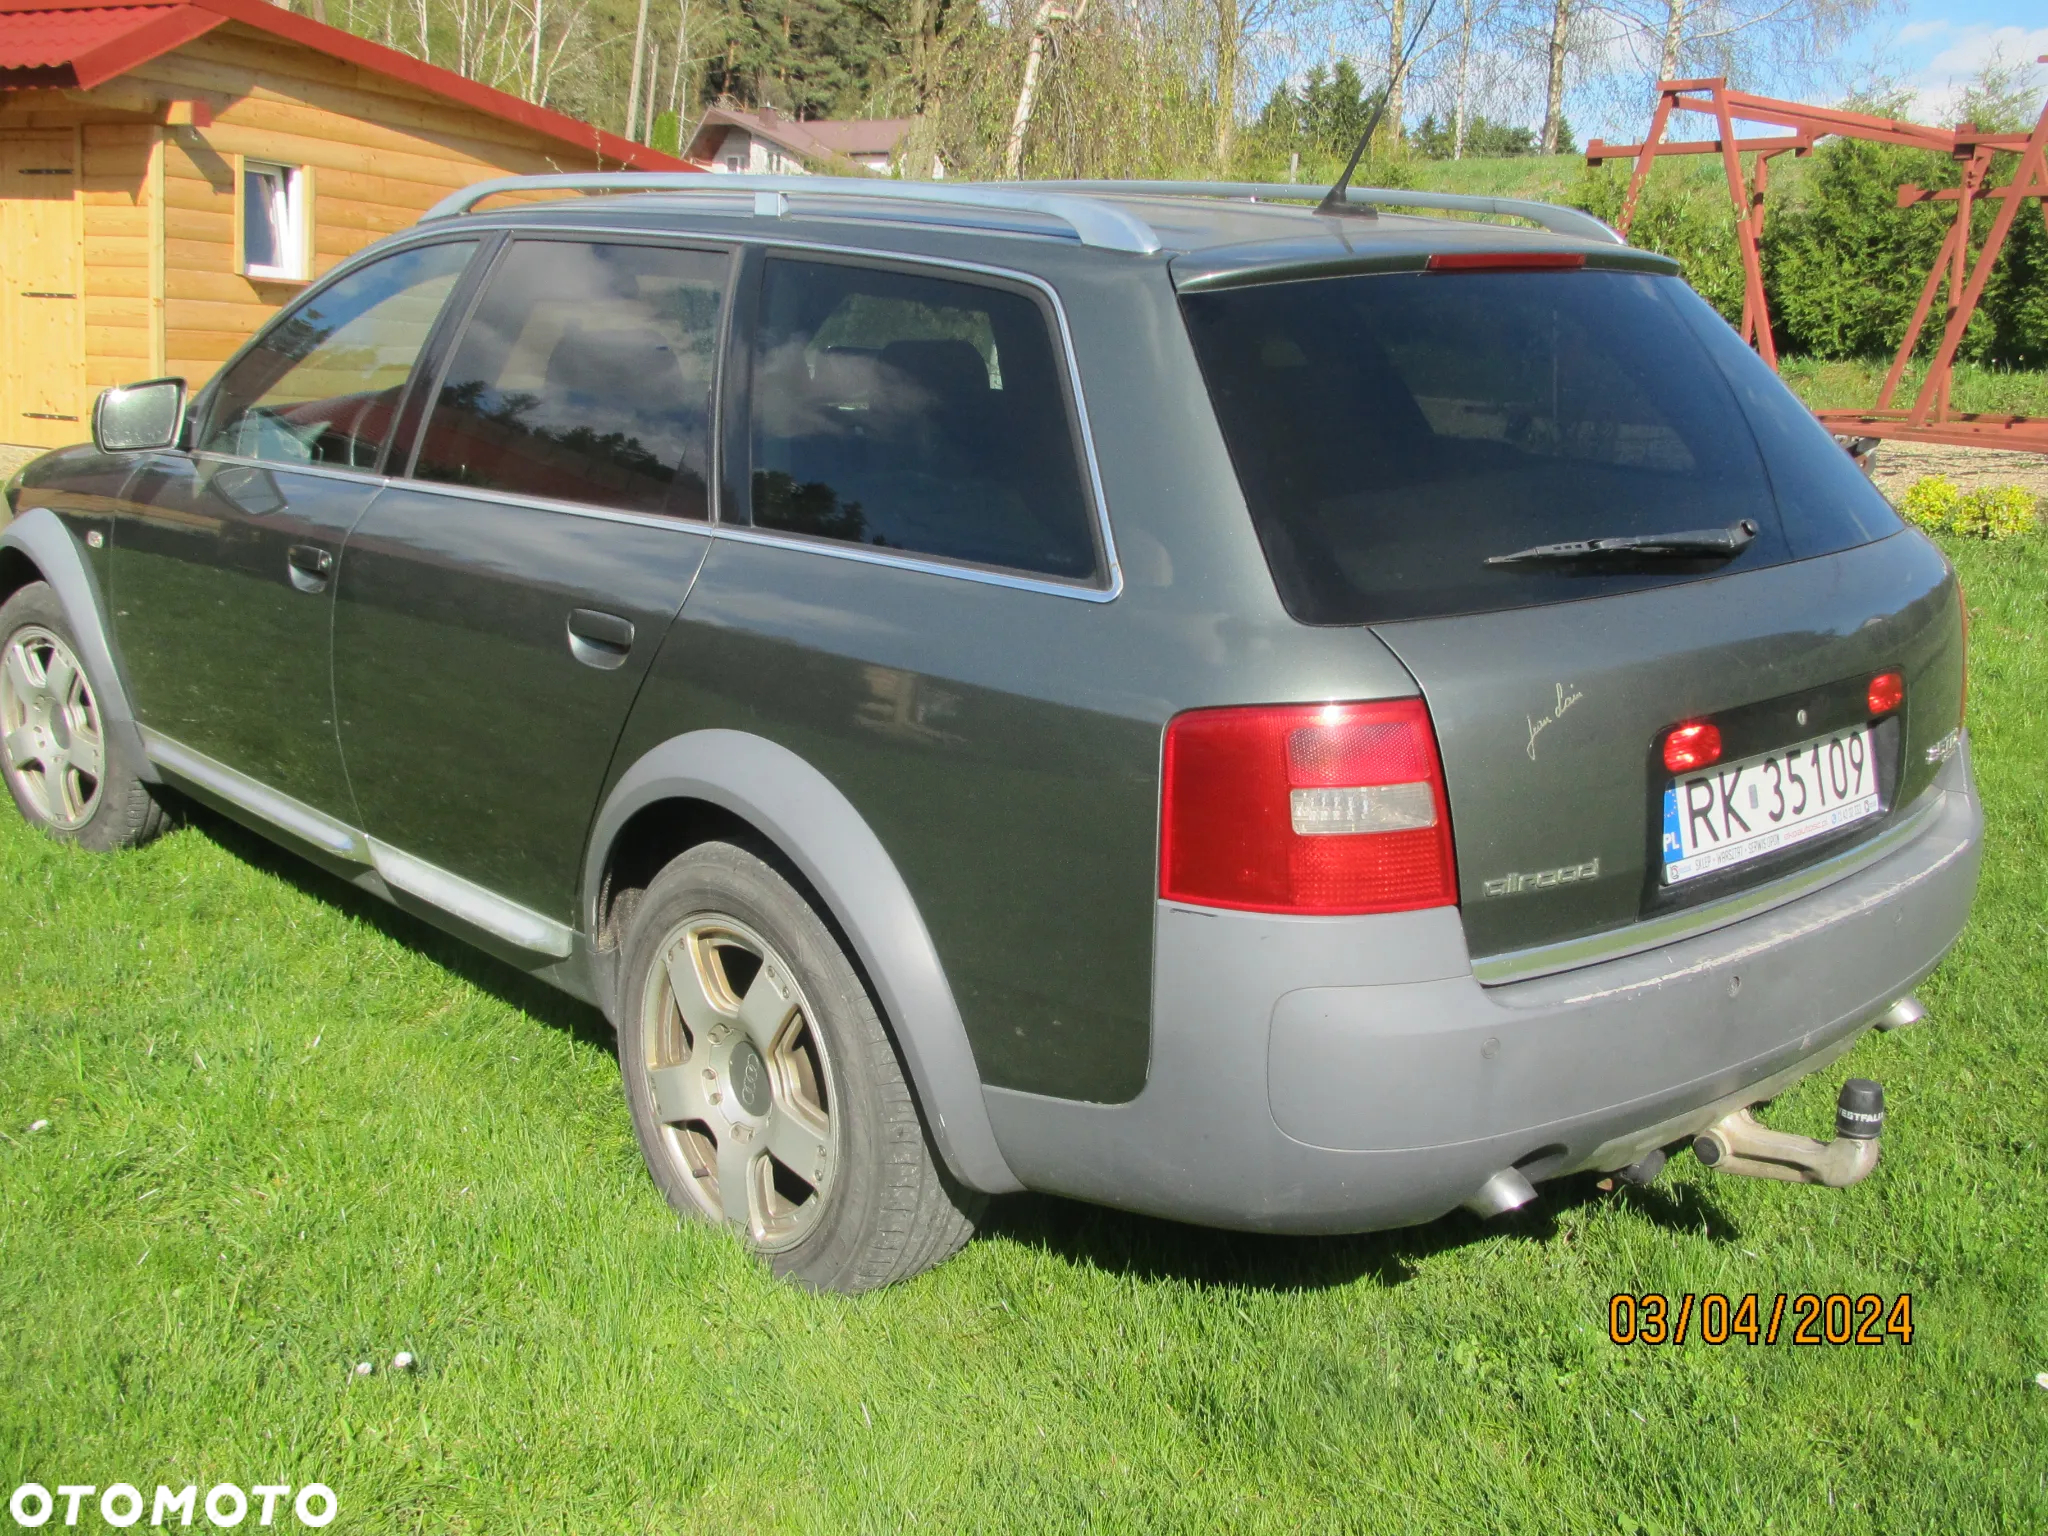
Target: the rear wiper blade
pixel 1690 544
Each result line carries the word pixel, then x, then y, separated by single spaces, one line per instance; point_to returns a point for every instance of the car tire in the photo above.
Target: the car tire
pixel 69 775
pixel 766 1091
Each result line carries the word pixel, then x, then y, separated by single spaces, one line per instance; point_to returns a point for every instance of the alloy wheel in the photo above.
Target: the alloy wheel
pixel 740 1080
pixel 50 727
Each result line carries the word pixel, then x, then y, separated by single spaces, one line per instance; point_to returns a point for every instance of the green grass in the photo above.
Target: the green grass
pixel 1855 382
pixel 290 1130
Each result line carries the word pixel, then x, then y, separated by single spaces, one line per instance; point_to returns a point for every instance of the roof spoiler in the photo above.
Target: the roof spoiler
pixel 1080 205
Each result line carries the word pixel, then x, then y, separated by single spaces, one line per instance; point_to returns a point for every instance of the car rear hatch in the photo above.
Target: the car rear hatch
pixel 1413 445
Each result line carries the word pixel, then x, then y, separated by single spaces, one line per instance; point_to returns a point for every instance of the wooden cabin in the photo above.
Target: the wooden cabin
pixel 172 171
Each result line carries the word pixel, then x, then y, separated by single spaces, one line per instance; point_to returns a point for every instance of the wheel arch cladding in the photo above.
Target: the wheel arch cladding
pixel 38 543
pixel 793 805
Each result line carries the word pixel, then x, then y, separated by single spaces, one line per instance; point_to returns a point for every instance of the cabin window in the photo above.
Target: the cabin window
pixel 274 221
pixel 585 375
pixel 917 414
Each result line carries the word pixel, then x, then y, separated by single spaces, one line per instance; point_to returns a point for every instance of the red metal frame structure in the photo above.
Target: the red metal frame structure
pixel 1929 419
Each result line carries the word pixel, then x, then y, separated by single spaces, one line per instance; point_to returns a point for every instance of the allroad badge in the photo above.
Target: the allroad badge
pixel 1543 879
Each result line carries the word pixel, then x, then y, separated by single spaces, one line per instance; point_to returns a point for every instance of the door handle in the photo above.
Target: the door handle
pixel 600 640
pixel 309 566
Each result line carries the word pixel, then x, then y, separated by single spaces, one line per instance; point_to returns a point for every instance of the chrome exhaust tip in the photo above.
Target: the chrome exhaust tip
pixel 1738 1143
pixel 1505 1191
pixel 1903 1014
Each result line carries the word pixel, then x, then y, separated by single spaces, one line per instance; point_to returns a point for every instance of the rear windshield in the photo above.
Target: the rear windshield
pixel 1393 431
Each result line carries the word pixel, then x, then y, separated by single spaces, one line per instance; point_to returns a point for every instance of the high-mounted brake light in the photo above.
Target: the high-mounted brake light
pixel 1887 693
pixel 1322 808
pixel 1505 261
pixel 1692 746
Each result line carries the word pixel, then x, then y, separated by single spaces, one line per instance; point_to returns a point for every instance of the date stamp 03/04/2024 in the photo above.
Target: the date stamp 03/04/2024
pixel 1805 1319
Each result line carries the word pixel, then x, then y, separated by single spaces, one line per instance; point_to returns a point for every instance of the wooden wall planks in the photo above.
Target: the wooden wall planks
pixel 156 205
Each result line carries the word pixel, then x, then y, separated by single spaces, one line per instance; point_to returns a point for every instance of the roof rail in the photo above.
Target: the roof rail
pixel 1550 216
pixel 1093 221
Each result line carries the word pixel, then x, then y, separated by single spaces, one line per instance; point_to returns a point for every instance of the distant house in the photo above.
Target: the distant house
pixel 731 141
pixel 172 171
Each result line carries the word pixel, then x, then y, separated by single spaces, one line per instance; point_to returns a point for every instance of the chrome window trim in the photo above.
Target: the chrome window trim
pixel 363 477
pixel 697 525
pixel 988 576
pixel 1675 927
pixel 1106 591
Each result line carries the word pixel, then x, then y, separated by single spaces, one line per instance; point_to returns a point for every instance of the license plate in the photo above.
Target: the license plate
pixel 1734 812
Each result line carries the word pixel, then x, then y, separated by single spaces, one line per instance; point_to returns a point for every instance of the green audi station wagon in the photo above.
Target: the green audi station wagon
pixel 1289 719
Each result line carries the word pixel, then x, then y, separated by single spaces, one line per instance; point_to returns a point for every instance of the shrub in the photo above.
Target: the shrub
pixel 1937 504
pixel 1684 216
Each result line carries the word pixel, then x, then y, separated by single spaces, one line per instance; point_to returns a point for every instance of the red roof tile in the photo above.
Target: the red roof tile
pixel 78 44
pixel 85 48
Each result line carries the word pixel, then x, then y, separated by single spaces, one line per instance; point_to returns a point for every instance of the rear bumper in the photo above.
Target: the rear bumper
pixel 1348 1074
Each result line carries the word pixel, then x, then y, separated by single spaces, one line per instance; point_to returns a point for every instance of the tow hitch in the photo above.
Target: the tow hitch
pixel 1738 1143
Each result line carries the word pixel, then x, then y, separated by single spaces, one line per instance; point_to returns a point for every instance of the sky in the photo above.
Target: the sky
pixel 1935 47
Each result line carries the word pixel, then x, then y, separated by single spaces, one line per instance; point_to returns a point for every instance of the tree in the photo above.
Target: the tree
pixel 1557 47
pixel 1324 115
pixel 1484 139
pixel 1674 39
pixel 1043 19
pixel 1239 27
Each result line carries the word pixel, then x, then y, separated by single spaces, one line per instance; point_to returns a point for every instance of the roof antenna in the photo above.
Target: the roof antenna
pixel 1335 202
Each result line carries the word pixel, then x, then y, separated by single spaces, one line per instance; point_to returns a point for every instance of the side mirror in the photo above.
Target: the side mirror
pixel 139 416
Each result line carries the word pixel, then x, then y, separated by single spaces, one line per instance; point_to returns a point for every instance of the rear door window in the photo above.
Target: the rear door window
pixel 1392 432
pixel 915 413
pixel 585 374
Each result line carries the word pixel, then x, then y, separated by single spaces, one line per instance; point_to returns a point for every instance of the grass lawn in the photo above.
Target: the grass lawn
pixel 1853 382
pixel 290 1130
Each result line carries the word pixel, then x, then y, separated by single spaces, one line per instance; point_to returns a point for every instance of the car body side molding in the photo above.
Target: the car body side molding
pixel 472 903
pixel 40 535
pixel 819 830
pixel 467 902
pixel 259 799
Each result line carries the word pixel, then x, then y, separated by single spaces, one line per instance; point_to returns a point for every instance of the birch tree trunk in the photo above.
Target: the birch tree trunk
pixel 1464 82
pixel 639 58
pixel 1553 102
pixel 1397 39
pixel 1027 94
pixel 1229 62
pixel 1674 40
pixel 675 85
pixel 653 96
pixel 533 64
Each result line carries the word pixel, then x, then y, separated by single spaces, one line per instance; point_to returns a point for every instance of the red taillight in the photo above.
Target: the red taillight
pixel 1505 261
pixel 1693 746
pixel 1887 693
pixel 1306 808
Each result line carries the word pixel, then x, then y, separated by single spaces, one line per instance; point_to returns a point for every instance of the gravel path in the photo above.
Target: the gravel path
pixel 1900 464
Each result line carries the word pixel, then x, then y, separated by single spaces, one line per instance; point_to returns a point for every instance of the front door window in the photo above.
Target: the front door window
pixel 322 385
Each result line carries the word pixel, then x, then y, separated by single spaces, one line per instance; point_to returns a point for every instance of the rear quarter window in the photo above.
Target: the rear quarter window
pixel 1391 432
pixel 914 413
